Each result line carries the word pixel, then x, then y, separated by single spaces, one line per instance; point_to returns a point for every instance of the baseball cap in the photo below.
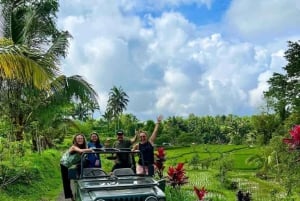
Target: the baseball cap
pixel 120 132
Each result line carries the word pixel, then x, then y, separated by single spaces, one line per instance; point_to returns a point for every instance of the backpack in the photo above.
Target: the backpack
pixel 68 159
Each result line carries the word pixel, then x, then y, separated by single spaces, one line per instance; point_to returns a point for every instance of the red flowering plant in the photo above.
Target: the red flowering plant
pixel 200 193
pixel 294 141
pixel 159 162
pixel 176 175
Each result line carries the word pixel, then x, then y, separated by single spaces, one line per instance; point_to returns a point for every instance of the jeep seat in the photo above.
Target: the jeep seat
pixel 123 172
pixel 93 172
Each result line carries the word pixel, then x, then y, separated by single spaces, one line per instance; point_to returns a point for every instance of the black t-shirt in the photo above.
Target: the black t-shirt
pixel 147 151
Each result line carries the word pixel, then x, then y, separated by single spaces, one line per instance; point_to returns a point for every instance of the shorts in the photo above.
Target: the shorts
pixel 147 170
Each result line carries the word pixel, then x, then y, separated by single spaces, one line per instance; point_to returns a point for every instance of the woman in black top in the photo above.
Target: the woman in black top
pixel 146 148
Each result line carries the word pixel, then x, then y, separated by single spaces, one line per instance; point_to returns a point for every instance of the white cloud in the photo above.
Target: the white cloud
pixel 146 5
pixel 256 94
pixel 262 20
pixel 165 63
pixel 276 64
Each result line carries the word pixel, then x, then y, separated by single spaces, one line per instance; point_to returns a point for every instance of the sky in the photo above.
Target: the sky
pixel 180 57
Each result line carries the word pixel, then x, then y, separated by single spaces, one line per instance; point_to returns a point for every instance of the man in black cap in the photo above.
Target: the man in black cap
pixel 123 160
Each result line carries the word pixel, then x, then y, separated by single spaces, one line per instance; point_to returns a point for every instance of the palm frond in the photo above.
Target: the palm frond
pixel 73 86
pixel 28 66
pixel 80 88
pixel 23 69
pixel 59 46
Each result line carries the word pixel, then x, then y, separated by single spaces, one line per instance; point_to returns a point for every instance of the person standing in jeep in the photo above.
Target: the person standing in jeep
pixel 145 146
pixel 72 157
pixel 123 160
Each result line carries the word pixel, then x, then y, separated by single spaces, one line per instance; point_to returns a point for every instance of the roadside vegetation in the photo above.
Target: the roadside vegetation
pixel 31 177
pixel 40 179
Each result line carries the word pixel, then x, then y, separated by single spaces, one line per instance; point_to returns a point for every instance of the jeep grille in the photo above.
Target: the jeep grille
pixel 140 198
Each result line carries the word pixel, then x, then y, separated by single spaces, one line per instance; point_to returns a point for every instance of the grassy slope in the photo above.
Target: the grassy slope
pixel 45 186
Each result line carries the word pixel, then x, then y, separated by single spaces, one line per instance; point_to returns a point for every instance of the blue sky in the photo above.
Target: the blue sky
pixel 180 57
pixel 202 15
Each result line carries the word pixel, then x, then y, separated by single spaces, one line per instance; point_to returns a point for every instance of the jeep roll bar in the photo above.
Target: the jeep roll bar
pixel 112 151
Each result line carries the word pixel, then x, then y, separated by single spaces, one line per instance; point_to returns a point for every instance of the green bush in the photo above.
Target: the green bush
pixel 32 177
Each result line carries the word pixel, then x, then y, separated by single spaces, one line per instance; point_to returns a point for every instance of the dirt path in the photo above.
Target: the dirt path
pixel 62 195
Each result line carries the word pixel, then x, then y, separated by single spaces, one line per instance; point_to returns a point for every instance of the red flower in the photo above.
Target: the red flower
pixel 295 133
pixel 160 159
pixel 160 153
pixel 200 192
pixel 294 142
pixel 176 175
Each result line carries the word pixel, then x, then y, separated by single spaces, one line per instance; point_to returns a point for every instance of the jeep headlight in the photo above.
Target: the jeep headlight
pixel 151 198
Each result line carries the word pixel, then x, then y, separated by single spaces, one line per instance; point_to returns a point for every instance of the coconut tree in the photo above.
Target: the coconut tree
pixel 28 61
pixel 33 45
pixel 30 53
pixel 55 108
pixel 117 102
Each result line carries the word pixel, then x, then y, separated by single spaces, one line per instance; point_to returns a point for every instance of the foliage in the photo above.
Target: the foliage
pixel 38 176
pixel 200 193
pixel 265 125
pixel 159 162
pixel 294 141
pixel 37 103
pixel 195 162
pixel 13 168
pixel 117 102
pixel 289 165
pixel 45 188
pixel 36 97
pixel 179 194
pixel 225 164
pixel 176 176
pixel 283 92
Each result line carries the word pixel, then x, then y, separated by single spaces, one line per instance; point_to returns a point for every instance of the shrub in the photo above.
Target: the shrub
pixel 176 176
pixel 160 160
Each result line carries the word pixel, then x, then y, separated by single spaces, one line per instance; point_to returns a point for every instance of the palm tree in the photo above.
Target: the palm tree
pixel 15 66
pixel 117 102
pixel 108 117
pixel 65 91
pixel 29 54
pixel 32 46
pixel 30 80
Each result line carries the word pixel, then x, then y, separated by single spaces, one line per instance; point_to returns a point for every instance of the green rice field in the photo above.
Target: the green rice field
pixel 202 163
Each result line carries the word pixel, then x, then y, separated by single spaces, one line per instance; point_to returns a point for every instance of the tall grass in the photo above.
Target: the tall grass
pixel 42 182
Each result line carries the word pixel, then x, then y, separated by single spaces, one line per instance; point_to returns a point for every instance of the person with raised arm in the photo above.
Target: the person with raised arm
pixel 146 148
pixel 123 160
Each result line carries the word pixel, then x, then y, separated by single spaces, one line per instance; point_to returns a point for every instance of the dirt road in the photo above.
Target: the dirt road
pixel 62 195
